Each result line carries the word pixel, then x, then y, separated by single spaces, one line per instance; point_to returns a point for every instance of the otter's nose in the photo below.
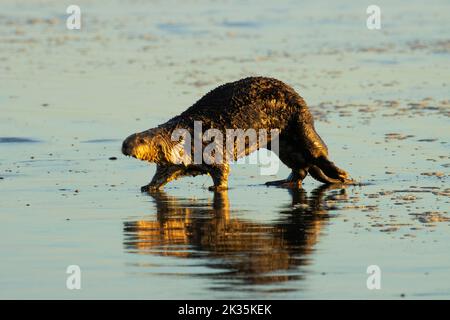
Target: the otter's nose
pixel 128 145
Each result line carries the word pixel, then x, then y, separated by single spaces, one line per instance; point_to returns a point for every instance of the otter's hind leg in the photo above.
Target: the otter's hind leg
pixel 332 175
pixel 315 152
pixel 163 175
pixel 288 154
pixel 326 171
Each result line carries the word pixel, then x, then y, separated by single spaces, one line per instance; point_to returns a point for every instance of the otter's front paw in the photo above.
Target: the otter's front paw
pixel 149 188
pixel 217 188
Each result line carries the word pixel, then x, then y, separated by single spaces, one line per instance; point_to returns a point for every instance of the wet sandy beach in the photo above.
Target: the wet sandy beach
pixel 69 197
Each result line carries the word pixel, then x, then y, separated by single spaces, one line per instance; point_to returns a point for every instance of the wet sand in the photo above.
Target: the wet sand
pixel 68 98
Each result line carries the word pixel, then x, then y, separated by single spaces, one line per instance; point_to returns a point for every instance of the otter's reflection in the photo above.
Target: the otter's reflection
pixel 243 251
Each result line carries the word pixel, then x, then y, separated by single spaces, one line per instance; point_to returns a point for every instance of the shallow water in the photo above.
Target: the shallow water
pixel 68 98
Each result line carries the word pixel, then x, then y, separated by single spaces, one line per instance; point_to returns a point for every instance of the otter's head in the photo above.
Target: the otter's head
pixel 151 145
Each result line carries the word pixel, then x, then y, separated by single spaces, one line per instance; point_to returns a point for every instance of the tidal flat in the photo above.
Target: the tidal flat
pixel 68 196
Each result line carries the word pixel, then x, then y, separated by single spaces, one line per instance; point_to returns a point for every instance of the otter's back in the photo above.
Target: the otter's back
pixel 255 102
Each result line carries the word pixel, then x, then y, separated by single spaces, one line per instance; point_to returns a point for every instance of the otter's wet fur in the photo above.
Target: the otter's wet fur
pixel 256 103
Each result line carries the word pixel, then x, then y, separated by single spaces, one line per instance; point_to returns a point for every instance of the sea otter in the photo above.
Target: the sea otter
pixel 256 103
